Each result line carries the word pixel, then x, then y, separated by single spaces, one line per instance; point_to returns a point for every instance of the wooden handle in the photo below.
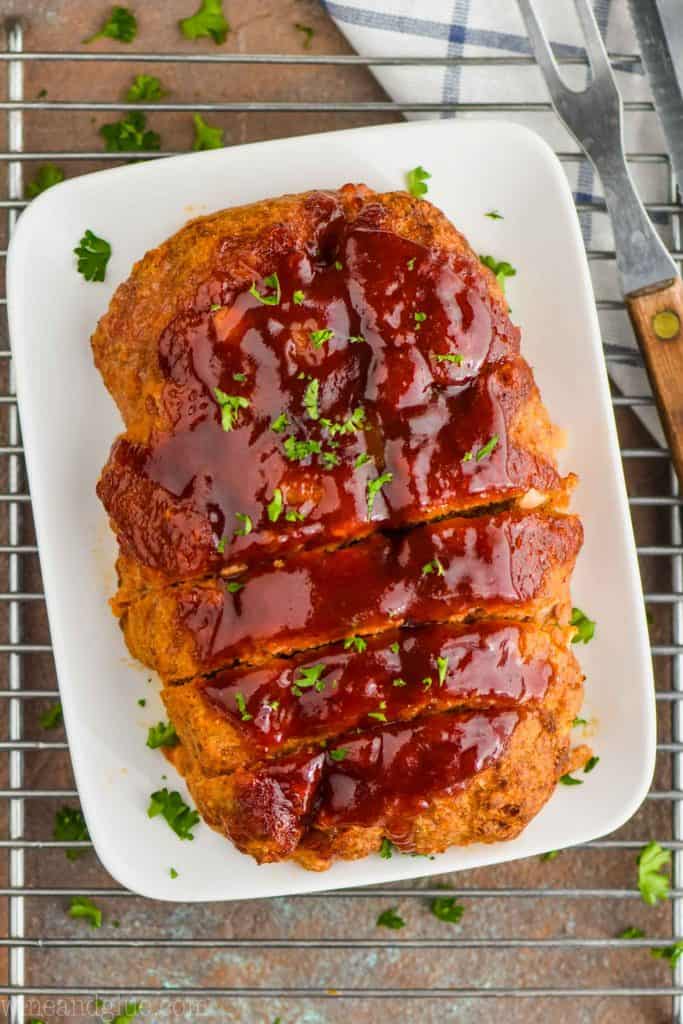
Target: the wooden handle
pixel 657 318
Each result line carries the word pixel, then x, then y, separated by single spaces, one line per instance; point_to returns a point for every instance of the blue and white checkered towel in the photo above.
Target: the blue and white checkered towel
pixel 490 28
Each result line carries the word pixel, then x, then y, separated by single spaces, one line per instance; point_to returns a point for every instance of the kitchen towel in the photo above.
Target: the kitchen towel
pixel 494 28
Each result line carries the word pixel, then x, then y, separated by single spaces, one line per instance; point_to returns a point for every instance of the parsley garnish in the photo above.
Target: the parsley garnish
pixel 653 884
pixel 416 181
pixel 206 137
pixel 585 627
pixel 357 643
pixel 220 547
pixel 239 377
pixel 296 451
pixel 374 486
pixel 434 566
pixel 569 780
pixel 494 215
pixel 419 319
pixel 354 422
pixel 171 806
pixel 247 525
pixel 339 754
pixel 121 24
pixel 229 406
pixel 361 460
pixel 298 298
pixel 70 827
pixel 131 1010
pixel 307 678
pixel 173 873
pixel 51 718
pixel 399 682
pixel 390 919
pixel 446 908
pixel 357 339
pixel 46 176
pixel 394 647
pixel 550 855
pixel 234 588
pixel 411 263
pixel 280 424
pixel 145 89
pixel 386 849
pixel 162 735
pixel 318 338
pixel 273 282
pixel 293 515
pixel 81 906
pixel 275 506
pixel 379 715
pixel 670 953
pixel 311 398
pixel 590 764
pixel 307 33
pixel 448 357
pixel 242 707
pixel 501 268
pixel 631 933
pixel 442 665
pixel 93 255
pixel 482 452
pixel 427 682
pixel 142 703
pixel 130 134
pixel 208 21
pixel 579 721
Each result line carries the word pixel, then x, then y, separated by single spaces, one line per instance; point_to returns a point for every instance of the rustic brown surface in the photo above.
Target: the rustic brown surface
pixel 261 26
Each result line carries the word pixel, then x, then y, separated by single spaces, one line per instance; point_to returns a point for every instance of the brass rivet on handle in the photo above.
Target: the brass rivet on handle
pixel 666 324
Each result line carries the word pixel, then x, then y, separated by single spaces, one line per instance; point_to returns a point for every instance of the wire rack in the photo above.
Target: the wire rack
pixel 540 938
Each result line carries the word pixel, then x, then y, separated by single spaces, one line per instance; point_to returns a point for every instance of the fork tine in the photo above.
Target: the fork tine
pixel 545 57
pixel 595 48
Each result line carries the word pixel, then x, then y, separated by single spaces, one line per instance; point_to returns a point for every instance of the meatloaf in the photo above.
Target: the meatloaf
pixel 344 540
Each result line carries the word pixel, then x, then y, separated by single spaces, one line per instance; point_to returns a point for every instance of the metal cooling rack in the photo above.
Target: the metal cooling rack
pixel 155 930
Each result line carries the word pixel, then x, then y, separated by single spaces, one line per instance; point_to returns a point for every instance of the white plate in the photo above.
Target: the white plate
pixel 69 422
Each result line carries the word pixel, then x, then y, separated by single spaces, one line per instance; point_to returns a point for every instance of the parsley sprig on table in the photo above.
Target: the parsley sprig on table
pixel 93 255
pixel 415 181
pixel 130 134
pixel 307 33
pixel 652 882
pixel 47 175
pixel 52 718
pixel 70 827
pixel 81 906
pixel 145 89
pixel 120 25
pixel 670 953
pixel 206 137
pixel 390 919
pixel 171 806
pixel 162 735
pixel 447 909
pixel 208 21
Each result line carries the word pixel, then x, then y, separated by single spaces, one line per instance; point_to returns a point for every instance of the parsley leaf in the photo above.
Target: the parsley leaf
pixel 298 298
pixel 280 424
pixel 292 515
pixel 145 89
pixel 242 707
pixel 229 406
pixel 442 665
pixel 275 506
pixel 494 215
pixel 390 919
pixel 653 884
pixel 501 268
pixel 208 21
pixel 419 319
pixel 579 721
pixel 234 587
pixel 52 718
pixel 585 627
pixel 142 703
pixel 173 873
pixel 220 547
pixel 374 486
pixel 590 764
pixel 448 357
pixel 361 460
pixel 70 827
pixel 81 906
pixel 399 682
pixel 318 338
pixel 394 648
pixel 311 398
pixel 93 255
pixel 434 566
pixel 47 175
pixel 339 754
pixel 569 780
pixel 131 1010
pixel 356 643
pixel 386 849
pixel 354 422
pixel 670 953
pixel 273 282
pixel 296 451
pixel 482 452
pixel 308 677
pixel 121 25
pixel 631 933
pixel 130 134
pixel 162 735
pixel 446 908
pixel 307 33
pixel 171 806
pixel 415 180
pixel 550 855
pixel 206 137
pixel 247 525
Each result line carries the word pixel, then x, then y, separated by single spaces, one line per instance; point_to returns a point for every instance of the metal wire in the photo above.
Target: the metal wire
pixel 14 504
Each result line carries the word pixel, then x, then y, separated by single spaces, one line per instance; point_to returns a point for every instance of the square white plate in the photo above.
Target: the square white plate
pixel 69 422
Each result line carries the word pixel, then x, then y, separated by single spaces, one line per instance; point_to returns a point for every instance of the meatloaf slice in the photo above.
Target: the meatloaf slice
pixel 246 714
pixel 513 564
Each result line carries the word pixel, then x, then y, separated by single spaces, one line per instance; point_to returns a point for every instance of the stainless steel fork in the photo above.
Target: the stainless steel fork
pixel 649 277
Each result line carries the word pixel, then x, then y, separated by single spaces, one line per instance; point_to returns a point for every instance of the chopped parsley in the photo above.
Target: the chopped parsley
pixel 390 919
pixel 354 422
pixel 171 806
pixel 230 406
pixel 653 884
pixel 379 715
pixel 47 175
pixel 394 647
pixel 239 377
pixel 579 721
pixel 121 25
pixel 298 298
pixel 208 21
pixel 214 307
pixel 268 299
pixel 145 89
pixel 434 566
pixel 307 678
pixel 307 33
pixel 318 338
pixel 234 587
pixel 162 735
pixel 442 666
pixel 206 137
pixel 81 906
pixel 70 826
pixel 399 682
pixel 142 703
pixel 386 849
pixel 411 263
pixel 52 718
pixel 375 486
pixel 275 506
pixel 670 953
pixel 357 339
pixel 93 255
pixel 130 134
pixel 280 424
pixel 494 215
pixel 631 933
pixel 242 707
pixel 585 627
pixel 550 855
pixel 569 780
pixel 339 754
pixel 173 873
pixel 297 451
pixel 419 319
pixel 427 682
pixel 483 452
pixel 220 547
pixel 501 268
pixel 362 460
pixel 311 398
pixel 293 515
pixel 448 357
pixel 357 643
pixel 416 179
pixel 590 764
pixel 247 525
pixel 447 909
